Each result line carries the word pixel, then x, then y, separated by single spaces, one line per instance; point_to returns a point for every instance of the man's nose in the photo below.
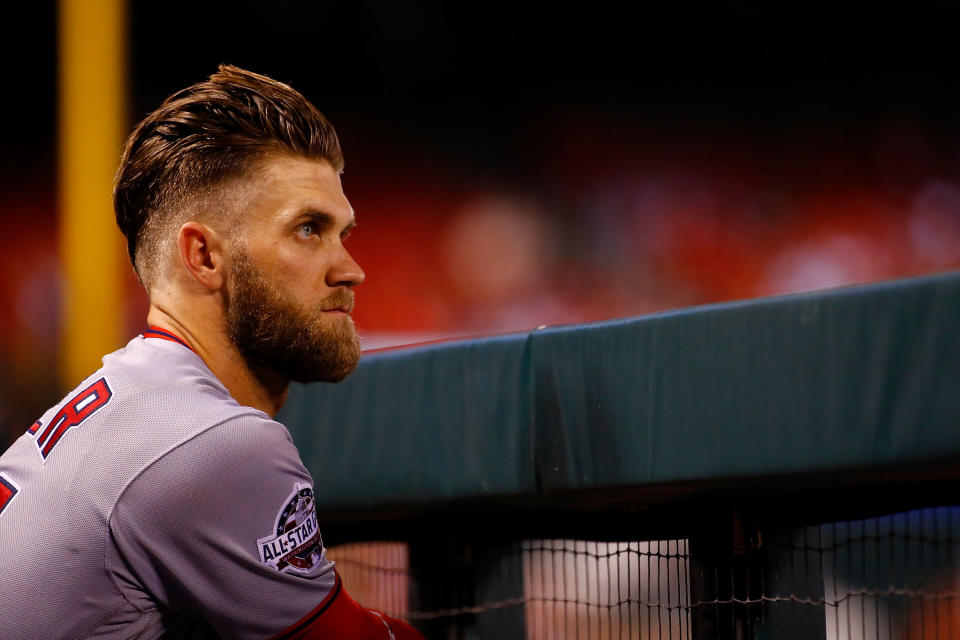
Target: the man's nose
pixel 345 272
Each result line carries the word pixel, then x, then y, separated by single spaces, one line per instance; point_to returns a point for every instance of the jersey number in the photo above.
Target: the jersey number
pixel 72 414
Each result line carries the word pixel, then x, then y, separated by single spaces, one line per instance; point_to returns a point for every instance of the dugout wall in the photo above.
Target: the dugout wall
pixel 752 452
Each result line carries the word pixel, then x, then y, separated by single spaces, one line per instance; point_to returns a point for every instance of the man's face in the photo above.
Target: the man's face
pixel 289 294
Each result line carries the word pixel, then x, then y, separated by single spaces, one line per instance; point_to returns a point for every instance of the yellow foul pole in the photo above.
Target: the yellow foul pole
pixel 92 119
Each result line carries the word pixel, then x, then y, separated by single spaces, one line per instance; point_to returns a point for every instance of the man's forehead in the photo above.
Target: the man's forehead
pixel 285 170
pixel 281 165
pixel 291 183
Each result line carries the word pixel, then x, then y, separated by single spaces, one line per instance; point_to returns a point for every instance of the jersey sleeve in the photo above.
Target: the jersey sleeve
pixel 223 528
pixel 340 617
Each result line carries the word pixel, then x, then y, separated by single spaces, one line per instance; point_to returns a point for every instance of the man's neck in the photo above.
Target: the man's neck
pixel 261 389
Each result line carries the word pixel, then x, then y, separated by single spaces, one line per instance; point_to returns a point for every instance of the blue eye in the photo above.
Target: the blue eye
pixel 306 229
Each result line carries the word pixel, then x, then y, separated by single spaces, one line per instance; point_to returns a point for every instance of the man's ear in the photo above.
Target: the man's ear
pixel 202 254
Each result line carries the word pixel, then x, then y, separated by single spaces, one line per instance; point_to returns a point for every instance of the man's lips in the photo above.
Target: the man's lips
pixel 340 302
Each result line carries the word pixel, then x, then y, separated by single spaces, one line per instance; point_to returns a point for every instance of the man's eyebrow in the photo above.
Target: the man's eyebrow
pixel 328 220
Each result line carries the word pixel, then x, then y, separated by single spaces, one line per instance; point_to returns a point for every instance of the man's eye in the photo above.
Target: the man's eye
pixel 306 229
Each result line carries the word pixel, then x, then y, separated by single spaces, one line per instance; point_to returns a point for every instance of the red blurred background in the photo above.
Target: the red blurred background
pixel 519 165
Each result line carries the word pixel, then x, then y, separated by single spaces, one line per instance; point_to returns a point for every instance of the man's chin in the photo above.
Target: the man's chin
pixel 332 362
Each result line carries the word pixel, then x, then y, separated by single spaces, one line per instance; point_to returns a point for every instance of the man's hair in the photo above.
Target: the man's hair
pixel 198 139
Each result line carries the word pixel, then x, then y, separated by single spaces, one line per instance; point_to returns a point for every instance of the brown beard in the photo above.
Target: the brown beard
pixel 272 332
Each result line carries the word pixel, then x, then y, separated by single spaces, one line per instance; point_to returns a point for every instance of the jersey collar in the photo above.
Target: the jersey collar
pixel 163 334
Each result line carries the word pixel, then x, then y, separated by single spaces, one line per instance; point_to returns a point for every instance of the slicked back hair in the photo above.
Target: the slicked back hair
pixel 200 138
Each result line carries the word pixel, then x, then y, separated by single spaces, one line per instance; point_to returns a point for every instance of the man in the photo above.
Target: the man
pixel 160 498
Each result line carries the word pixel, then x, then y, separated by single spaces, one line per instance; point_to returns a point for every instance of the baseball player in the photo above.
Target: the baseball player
pixel 160 498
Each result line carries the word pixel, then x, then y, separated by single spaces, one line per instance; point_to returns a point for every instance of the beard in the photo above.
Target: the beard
pixel 304 345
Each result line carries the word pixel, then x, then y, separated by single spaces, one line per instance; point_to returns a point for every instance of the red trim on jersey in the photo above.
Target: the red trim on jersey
pixel 163 334
pixel 308 619
pixel 7 491
pixel 340 617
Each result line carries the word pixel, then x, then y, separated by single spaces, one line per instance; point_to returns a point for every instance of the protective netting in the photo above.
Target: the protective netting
pixel 887 577
pixel 378 574
pixel 586 589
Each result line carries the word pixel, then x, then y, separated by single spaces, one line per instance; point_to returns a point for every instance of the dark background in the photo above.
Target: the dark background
pixel 468 80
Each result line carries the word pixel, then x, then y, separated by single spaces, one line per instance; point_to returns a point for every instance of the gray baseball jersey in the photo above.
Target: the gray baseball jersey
pixel 150 503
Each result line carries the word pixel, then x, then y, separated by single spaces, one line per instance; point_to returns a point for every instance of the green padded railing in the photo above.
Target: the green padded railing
pixel 857 378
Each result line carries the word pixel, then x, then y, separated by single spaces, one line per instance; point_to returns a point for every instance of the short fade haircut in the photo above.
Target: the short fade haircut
pixel 200 138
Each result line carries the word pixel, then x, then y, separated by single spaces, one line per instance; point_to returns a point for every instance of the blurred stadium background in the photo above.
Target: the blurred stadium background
pixel 514 165
pixel 517 165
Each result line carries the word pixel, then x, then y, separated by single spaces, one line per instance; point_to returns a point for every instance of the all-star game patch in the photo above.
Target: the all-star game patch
pixel 296 546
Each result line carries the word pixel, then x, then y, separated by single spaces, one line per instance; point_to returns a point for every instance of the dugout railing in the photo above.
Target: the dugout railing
pixel 774 468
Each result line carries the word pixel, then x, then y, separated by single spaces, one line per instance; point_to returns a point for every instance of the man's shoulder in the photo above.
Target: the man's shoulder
pixel 182 427
pixel 149 399
pixel 167 385
pixel 161 368
pixel 177 397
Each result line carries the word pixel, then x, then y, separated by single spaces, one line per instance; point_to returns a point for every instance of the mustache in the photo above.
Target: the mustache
pixel 340 298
